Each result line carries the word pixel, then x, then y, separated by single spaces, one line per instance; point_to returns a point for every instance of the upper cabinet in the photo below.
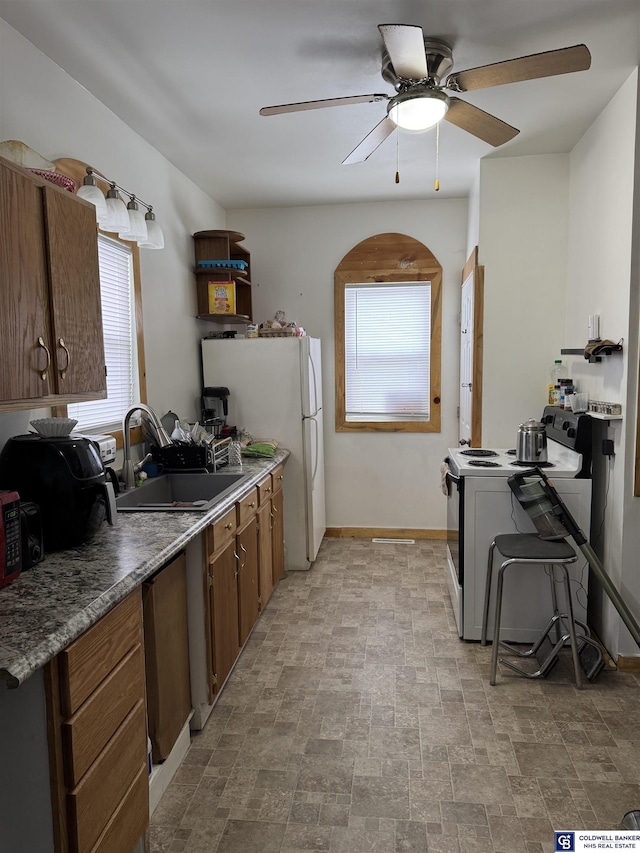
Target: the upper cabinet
pixel 228 285
pixel 51 341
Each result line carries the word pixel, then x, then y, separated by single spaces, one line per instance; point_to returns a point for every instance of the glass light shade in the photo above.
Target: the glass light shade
pixel 117 213
pixel 155 237
pixel 137 231
pixel 418 112
pixel 90 191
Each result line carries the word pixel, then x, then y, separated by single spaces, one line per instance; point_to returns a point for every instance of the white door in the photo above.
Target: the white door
pixel 471 332
pixel 466 361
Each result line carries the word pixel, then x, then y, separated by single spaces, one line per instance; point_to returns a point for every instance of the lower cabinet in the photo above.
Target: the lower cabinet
pixel 242 550
pixel 96 719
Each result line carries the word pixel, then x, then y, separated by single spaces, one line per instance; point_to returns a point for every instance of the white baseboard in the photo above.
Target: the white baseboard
pixel 162 774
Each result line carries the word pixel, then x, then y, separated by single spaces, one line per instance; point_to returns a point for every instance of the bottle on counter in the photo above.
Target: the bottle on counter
pixel 235 450
pixel 557 371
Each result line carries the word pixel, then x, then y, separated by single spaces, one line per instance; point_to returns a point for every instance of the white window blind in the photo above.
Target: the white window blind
pixel 387 351
pixel 118 323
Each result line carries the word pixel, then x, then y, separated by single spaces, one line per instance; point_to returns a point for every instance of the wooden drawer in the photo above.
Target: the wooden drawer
pixel 129 820
pixel 265 490
pixel 277 476
pixel 223 530
pixel 247 507
pixel 93 802
pixel 88 660
pixel 88 731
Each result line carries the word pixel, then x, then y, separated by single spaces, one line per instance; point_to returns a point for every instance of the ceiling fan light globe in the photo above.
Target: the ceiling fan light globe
pixel 418 112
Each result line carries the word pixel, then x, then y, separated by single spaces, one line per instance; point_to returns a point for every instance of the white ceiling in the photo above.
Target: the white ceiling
pixel 190 76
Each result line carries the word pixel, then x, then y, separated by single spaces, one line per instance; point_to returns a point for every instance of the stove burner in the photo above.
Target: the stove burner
pixel 478 452
pixel 534 464
pixel 511 452
pixel 483 463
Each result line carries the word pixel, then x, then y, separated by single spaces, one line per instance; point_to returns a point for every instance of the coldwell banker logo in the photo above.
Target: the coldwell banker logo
pixel 565 841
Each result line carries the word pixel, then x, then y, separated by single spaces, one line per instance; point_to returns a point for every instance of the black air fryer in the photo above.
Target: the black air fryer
pixel 66 478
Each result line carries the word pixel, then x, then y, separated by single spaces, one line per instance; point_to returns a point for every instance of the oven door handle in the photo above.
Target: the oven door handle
pixel 451 478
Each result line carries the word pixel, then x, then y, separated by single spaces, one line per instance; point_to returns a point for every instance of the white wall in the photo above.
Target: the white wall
pixel 45 108
pixel 373 480
pixel 603 279
pixel 523 231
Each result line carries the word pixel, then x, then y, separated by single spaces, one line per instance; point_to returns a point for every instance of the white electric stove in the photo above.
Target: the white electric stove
pixel 480 504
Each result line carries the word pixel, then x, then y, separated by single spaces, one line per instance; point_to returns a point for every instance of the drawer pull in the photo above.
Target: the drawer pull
pixel 252 504
pixel 228 526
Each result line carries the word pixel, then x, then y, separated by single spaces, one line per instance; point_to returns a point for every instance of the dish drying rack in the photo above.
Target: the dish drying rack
pixel 194 457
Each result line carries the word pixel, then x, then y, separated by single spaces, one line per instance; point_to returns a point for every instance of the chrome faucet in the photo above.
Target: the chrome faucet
pixel 161 438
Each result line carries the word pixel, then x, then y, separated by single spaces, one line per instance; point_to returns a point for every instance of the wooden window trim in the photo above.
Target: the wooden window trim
pixel 388 258
pixel 76 170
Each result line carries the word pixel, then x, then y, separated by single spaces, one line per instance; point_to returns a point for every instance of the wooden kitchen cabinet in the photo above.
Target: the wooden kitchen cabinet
pixel 51 341
pixel 277 521
pixel 219 246
pixel 96 721
pixel 231 556
pixel 265 547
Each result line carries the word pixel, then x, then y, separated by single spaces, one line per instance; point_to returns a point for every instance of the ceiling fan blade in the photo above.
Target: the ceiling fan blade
pixel 372 140
pixel 566 60
pixel 317 105
pixel 405 46
pixel 483 125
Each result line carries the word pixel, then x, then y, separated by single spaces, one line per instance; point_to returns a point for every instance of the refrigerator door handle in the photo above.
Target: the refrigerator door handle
pixel 315 388
pixel 313 416
pixel 315 453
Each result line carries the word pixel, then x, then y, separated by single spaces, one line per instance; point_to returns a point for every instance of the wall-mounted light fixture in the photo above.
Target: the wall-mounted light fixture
pixel 129 222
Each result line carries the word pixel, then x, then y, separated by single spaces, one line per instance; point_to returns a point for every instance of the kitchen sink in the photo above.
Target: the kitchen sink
pixel 187 492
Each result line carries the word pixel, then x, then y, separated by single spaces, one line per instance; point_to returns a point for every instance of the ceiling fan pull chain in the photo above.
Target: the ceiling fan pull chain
pixel 436 184
pixel 397 156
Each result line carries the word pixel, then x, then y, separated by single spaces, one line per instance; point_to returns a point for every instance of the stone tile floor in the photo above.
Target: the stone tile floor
pixel 356 720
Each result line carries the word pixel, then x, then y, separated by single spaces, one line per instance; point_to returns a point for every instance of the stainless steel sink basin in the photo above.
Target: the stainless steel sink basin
pixel 188 492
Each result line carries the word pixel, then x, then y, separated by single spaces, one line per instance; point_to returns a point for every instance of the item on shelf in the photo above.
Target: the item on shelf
pixel 222 297
pixel 603 408
pixel 224 264
pixel 606 347
pixel 55 178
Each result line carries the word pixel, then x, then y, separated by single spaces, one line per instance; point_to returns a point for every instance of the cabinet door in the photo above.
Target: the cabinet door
pixel 24 313
pixel 74 281
pixel 247 542
pixel 277 532
pixel 223 575
pixel 265 557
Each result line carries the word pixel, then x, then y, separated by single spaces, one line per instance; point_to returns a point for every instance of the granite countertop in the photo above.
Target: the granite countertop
pixel 51 604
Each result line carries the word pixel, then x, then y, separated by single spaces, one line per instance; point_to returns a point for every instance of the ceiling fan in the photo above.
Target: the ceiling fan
pixel 416 65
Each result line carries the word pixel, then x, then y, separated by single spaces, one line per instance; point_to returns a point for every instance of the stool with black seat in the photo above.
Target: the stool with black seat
pixel 530 549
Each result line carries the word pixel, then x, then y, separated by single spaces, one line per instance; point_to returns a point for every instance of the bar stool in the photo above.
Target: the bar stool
pixel 530 549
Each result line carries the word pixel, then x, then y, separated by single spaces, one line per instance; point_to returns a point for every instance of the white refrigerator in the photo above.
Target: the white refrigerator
pixel 275 392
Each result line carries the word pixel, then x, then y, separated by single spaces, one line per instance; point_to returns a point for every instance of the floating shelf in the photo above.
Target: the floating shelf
pixel 592 359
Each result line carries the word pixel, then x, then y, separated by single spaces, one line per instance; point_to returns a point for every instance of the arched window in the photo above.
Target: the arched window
pixel 388 323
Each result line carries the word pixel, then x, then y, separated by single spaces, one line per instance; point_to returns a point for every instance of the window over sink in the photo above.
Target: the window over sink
pixel 119 326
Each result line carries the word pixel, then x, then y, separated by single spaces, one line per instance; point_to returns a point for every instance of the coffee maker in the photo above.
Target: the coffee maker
pixel 214 409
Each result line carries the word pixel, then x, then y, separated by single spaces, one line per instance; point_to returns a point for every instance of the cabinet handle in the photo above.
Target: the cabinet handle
pixel 235 574
pixel 244 562
pixel 43 373
pixel 252 504
pixel 228 526
pixel 271 517
pixel 268 490
pixel 63 346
